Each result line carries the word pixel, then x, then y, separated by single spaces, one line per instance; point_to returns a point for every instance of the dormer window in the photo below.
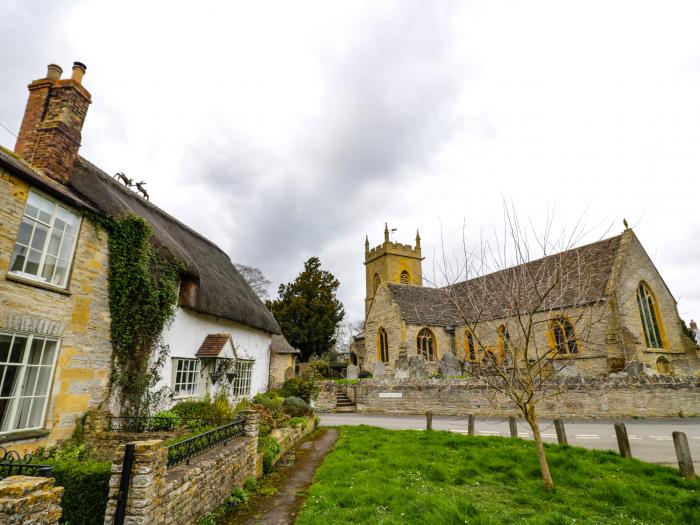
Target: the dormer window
pixel 46 241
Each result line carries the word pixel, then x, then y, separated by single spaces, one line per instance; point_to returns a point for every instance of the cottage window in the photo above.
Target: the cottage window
pixel 425 343
pixel 382 346
pixel 563 335
pixel 26 370
pixel 186 377
pixel 243 380
pixel 405 278
pixel 649 312
pixel 46 241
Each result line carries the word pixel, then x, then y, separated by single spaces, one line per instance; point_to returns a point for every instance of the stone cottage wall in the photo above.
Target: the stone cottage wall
pixel 28 500
pixel 183 494
pixel 79 316
pixel 641 397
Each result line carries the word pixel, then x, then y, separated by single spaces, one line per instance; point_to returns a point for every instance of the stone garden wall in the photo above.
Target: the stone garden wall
pixel 27 500
pixel 590 398
pixel 183 494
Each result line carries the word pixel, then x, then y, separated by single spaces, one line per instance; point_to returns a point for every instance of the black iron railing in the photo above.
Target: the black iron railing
pixel 184 450
pixel 12 464
pixel 154 424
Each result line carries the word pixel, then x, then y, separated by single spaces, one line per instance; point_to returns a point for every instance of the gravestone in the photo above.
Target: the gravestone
pixel 352 372
pixel 416 367
pixel 450 365
pixel 401 370
pixel 379 369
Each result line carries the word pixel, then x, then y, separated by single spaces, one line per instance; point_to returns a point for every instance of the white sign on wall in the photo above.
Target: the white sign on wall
pixel 391 394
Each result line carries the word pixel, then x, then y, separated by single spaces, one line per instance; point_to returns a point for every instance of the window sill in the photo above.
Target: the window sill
pixel 662 351
pixel 36 284
pixel 18 435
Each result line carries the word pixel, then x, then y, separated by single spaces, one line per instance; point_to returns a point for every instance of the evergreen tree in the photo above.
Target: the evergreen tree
pixel 308 311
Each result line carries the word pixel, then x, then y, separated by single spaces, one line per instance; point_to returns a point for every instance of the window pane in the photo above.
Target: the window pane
pixel 49 267
pixel 59 276
pixel 42 383
pixel 39 237
pixel 46 210
pixel 18 258
pixel 70 220
pixel 30 376
pixel 5 342
pixel 36 412
pixel 49 350
pixel 18 349
pixel 22 416
pixel 10 380
pixel 66 248
pixel 33 262
pixel 33 204
pixel 25 232
pixel 35 352
pixel 54 243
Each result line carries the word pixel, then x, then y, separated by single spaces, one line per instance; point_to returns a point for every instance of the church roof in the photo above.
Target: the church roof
pixel 578 276
pixel 221 290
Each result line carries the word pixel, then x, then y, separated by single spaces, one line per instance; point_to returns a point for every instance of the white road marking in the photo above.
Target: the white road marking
pixel 490 432
pixel 694 437
pixel 661 438
pixel 634 438
pixel 587 436
pixel 549 435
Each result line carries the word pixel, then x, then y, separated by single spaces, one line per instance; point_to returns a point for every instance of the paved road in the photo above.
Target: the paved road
pixel 650 439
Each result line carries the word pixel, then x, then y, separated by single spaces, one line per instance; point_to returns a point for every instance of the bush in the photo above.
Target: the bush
pixel 187 409
pixel 167 420
pixel 297 407
pixel 86 485
pixel 251 484
pixel 266 421
pixel 298 421
pixel 272 401
pixel 270 447
pixel 305 386
pixel 365 374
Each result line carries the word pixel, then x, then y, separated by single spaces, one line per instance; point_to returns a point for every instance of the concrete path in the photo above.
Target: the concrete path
pixel 650 439
pixel 281 508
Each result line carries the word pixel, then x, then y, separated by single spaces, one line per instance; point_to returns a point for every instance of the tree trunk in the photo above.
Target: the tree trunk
pixel 539 445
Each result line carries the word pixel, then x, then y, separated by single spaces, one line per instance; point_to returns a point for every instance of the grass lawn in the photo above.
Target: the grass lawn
pixel 409 477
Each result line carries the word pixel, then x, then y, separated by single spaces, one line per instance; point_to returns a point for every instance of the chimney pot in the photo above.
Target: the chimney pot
pixel 78 72
pixel 53 72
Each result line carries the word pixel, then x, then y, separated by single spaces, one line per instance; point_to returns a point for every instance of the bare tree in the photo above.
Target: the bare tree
pixel 255 279
pixel 526 302
pixel 344 334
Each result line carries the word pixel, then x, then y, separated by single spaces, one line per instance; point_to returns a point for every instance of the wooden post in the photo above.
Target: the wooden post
pixel 429 420
pixel 622 441
pixel 470 425
pixel 561 431
pixel 685 460
pixel 513 427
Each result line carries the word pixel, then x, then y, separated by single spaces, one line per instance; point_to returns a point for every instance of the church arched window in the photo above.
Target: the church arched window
pixel 503 340
pixel 405 277
pixel 563 336
pixel 649 312
pixel 382 346
pixel 470 348
pixel 375 283
pixel 425 343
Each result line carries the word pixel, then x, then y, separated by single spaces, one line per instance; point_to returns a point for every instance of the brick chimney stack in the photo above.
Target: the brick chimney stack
pixel 49 138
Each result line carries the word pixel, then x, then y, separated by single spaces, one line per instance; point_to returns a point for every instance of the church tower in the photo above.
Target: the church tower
pixel 391 262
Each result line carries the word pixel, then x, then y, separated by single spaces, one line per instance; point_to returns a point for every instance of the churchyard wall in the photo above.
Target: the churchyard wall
pixel 662 396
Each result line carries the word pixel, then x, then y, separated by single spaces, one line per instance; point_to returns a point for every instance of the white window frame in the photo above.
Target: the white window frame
pixel 197 373
pixel 243 386
pixel 44 249
pixel 22 375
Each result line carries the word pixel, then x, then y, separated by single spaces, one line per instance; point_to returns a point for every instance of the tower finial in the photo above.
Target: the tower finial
pixel 386 232
pixel 366 244
pixel 417 239
pixel 624 222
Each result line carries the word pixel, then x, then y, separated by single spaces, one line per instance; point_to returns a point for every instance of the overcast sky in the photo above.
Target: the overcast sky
pixel 282 130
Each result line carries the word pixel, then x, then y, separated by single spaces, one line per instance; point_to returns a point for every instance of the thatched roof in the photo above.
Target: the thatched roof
pixel 280 345
pixel 220 290
pixel 574 277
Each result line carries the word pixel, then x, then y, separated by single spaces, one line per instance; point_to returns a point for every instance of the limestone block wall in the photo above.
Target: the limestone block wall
pixel 279 366
pixel 183 494
pixel 642 397
pixel 79 316
pixel 28 500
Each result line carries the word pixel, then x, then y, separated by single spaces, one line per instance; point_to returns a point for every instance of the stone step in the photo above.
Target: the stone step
pixel 345 409
pixel 344 403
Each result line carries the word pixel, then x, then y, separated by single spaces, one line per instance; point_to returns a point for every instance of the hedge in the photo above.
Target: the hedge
pixel 86 485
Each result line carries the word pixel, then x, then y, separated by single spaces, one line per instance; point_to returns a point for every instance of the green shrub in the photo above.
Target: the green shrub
pixel 297 407
pixel 188 409
pixel 86 485
pixel 272 401
pixel 270 447
pixel 251 484
pixel 298 421
pixel 167 420
pixel 305 386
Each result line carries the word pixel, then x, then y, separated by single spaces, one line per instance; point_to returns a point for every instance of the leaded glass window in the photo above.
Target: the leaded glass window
pixel 244 374
pixel 650 316
pixel 564 336
pixel 425 343
pixel 383 346
pixel 405 277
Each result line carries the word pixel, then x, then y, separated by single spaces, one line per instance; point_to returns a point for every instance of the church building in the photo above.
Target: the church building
pixel 607 310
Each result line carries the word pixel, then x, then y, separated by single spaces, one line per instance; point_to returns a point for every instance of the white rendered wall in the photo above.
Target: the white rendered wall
pixel 187 331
